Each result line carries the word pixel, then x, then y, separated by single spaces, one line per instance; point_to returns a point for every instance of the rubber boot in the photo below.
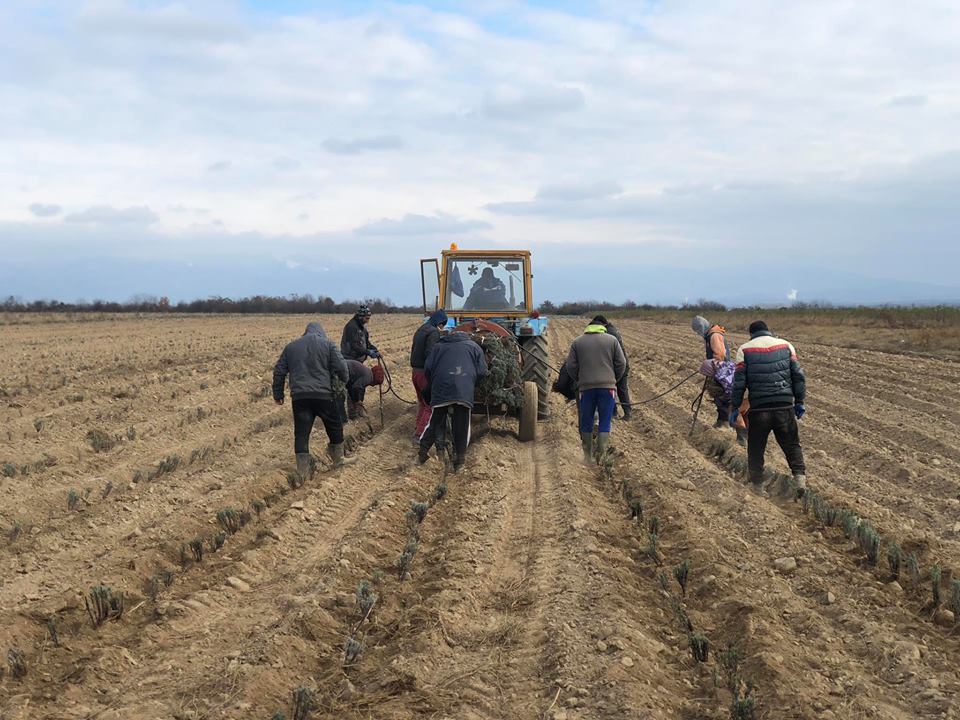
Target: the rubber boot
pixel 603 444
pixel 339 460
pixel 423 453
pixel 721 419
pixel 586 440
pixel 801 483
pixel 458 461
pixel 742 437
pixel 305 466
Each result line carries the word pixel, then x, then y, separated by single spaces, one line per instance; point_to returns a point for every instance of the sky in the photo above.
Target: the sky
pixel 654 150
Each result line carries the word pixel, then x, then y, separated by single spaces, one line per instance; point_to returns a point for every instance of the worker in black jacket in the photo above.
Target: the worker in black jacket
pixel 424 339
pixel 769 373
pixel 312 361
pixel 355 342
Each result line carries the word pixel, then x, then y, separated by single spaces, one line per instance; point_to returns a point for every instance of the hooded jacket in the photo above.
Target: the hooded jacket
pixel 768 370
pixel 426 336
pixel 311 361
pixel 596 360
pixel 355 341
pixel 453 368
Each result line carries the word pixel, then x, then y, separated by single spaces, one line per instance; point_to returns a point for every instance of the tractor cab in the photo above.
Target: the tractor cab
pixel 493 285
pixel 490 292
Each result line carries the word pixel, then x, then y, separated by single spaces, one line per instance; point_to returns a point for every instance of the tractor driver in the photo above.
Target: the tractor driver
pixel 487 293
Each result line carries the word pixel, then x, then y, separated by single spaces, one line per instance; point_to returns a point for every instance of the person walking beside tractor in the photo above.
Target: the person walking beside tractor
pixel 312 362
pixel 454 367
pixel 596 364
pixel 769 374
pixel 623 389
pixel 426 336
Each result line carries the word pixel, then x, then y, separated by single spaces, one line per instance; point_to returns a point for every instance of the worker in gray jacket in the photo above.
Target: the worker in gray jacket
pixel 311 362
pixel 596 364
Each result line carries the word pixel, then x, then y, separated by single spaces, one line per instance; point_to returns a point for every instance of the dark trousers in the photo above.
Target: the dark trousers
pixel 623 394
pixel 783 423
pixel 436 431
pixel 304 414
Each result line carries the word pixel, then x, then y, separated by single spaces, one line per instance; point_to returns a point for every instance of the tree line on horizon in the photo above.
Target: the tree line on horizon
pixel 308 304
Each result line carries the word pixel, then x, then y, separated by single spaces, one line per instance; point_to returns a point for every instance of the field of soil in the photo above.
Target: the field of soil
pixel 532 592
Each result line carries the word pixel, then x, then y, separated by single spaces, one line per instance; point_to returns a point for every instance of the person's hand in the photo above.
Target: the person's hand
pixel 278 401
pixel 799 410
pixel 373 353
pixel 733 416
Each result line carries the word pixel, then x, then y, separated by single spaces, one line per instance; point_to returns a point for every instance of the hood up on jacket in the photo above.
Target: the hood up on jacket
pixel 315 328
pixel 595 329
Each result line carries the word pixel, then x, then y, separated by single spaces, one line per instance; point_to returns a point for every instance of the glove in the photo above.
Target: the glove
pixel 733 416
pixel 799 411
pixel 373 353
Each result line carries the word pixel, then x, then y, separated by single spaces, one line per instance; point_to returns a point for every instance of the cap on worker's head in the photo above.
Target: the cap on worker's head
pixel 438 319
pixel 758 326
pixel 598 320
pixel 363 311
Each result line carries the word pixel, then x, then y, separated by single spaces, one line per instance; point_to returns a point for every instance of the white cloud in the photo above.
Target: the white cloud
pixel 44 210
pixel 680 125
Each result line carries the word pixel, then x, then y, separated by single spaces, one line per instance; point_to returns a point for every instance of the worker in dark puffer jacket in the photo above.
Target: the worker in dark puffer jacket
pixel 770 374
pixel 426 336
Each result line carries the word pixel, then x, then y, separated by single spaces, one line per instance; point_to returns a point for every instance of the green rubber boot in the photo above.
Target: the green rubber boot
pixel 603 444
pixel 586 439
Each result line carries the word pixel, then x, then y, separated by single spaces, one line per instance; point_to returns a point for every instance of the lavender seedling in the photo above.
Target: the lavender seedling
pixel 680 573
pixel 17 663
pixel 217 541
pixel 955 599
pixel 196 549
pixel 304 703
pixel 258 506
pixel 38 425
pixel 406 558
pixel 106 490
pixel 935 576
pixel 352 650
pixel 894 556
pixel 231 520
pixel 73 497
pixel 103 605
pixel 416 513
pixel 699 647
pixel 743 708
pixel 664 581
pixel 652 550
pixel 52 629
pixel 440 492
pixel 366 598
pixel 13 534
pixel 849 521
pixel 9 469
pixel 913 569
pixel 636 509
pixel 654 526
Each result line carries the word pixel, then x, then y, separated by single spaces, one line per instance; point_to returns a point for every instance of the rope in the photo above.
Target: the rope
pixel 633 404
pixel 389 377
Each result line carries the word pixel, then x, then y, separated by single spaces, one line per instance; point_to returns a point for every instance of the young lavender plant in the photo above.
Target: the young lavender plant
pixel 913 569
pixel 654 526
pixel 935 575
pixel 699 647
pixel 352 650
pixel 849 521
pixel 680 573
pixel 955 599
pixel 103 605
pixel 366 598
pixel 417 513
pixel 17 662
pixel 894 556
pixel 304 703
pixel 73 497
pixel 652 550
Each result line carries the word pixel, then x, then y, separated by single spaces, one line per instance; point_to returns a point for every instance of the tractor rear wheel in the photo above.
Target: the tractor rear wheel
pixel 535 370
pixel 528 412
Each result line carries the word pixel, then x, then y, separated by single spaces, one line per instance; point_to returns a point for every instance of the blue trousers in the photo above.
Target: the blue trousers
pixel 602 401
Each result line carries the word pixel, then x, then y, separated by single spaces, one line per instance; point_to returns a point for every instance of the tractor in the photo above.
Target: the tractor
pixel 489 294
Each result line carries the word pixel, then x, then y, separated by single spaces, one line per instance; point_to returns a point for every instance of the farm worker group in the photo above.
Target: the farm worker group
pixel 762 391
